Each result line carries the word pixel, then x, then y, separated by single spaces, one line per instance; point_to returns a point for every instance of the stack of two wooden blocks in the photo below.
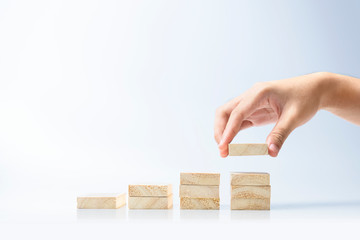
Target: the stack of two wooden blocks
pixel 250 191
pixel 150 196
pixel 199 191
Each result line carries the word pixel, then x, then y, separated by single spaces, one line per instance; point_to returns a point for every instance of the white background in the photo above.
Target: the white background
pixel 96 95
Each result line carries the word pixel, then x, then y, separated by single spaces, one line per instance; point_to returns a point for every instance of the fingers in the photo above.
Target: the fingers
pixel 279 134
pixel 236 122
pixel 221 118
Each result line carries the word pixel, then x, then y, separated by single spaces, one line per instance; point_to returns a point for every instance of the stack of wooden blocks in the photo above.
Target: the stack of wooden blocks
pixel 150 196
pixel 250 191
pixel 199 191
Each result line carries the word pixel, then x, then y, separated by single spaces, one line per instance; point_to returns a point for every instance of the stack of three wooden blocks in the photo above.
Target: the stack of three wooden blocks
pixel 250 191
pixel 199 191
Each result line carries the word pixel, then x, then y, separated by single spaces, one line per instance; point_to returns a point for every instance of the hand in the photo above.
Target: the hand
pixel 289 103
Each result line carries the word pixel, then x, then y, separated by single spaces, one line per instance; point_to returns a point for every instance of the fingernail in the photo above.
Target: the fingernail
pixel 273 148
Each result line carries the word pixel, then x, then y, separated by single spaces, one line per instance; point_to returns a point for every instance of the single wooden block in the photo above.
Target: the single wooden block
pixel 200 203
pixel 150 202
pixel 250 178
pixel 199 191
pixel 200 178
pixel 251 191
pixel 248 149
pixel 150 190
pixel 250 204
pixel 101 201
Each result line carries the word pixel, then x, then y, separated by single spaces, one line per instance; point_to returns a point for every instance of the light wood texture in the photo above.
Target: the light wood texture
pixel 250 178
pixel 198 191
pixel 251 191
pixel 101 201
pixel 250 204
pixel 200 203
pixel 150 202
pixel 248 149
pixel 200 178
pixel 150 190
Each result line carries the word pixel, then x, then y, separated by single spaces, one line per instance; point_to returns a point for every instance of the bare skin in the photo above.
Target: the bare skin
pixel 289 103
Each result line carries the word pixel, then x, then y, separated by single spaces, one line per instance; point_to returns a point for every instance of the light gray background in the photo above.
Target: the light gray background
pixel 95 95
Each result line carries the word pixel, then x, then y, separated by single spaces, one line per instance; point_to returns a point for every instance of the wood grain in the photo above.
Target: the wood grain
pixel 200 203
pixel 250 204
pixel 250 178
pixel 101 201
pixel 249 192
pixel 150 190
pixel 200 178
pixel 150 202
pixel 248 149
pixel 199 191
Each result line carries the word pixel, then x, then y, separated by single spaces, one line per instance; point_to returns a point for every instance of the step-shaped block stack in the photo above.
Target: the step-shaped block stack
pixel 150 196
pixel 199 191
pixel 250 191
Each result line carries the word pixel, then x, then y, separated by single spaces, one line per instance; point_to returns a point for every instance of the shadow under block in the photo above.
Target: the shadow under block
pixel 150 190
pixel 101 201
pixel 150 202
pixel 250 204
pixel 248 149
pixel 199 191
pixel 200 179
pixel 250 192
pixel 200 203
pixel 248 178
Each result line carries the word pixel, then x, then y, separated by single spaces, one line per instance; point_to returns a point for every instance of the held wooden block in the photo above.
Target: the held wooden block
pixel 150 202
pixel 200 203
pixel 250 204
pixel 248 149
pixel 250 178
pixel 249 192
pixel 200 178
pixel 101 201
pixel 198 191
pixel 150 190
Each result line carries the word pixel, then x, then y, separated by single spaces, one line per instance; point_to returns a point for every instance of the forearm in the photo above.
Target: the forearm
pixel 341 96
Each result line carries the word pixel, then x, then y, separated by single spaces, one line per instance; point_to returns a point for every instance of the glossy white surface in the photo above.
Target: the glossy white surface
pixel 294 220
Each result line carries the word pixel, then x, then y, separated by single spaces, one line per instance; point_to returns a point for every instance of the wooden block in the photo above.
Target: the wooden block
pixel 198 191
pixel 250 178
pixel 250 204
pixel 150 202
pixel 101 201
pixel 248 149
pixel 200 203
pixel 200 178
pixel 150 190
pixel 251 191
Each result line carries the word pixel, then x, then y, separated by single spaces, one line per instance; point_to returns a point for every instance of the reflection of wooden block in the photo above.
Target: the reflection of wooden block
pixel 250 204
pixel 250 191
pixel 150 202
pixel 101 201
pixel 248 149
pixel 200 178
pixel 248 178
pixel 150 190
pixel 199 203
pixel 198 191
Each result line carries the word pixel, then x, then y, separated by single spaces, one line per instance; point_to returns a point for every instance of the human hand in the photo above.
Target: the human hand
pixel 289 103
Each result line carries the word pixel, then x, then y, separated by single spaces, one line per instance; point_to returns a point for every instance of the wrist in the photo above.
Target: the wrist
pixel 327 89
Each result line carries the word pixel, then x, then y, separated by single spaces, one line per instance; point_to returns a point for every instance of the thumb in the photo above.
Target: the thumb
pixel 278 135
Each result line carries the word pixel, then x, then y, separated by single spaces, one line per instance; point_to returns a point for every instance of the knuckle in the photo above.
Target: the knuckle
pixel 262 88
